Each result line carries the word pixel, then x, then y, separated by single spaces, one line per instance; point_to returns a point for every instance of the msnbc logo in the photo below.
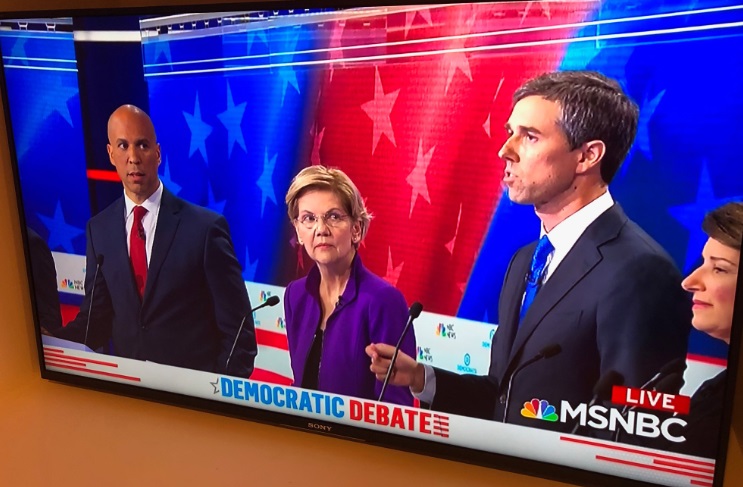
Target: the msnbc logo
pixel 264 296
pixel 280 323
pixel 446 331
pixel 539 409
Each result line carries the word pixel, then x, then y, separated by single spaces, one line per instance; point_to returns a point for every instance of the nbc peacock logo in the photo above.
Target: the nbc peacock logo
pixel 539 409
pixel 280 323
pixel 67 284
pixel 264 296
pixel 446 331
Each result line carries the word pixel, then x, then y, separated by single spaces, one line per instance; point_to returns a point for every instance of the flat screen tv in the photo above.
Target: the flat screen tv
pixel 464 133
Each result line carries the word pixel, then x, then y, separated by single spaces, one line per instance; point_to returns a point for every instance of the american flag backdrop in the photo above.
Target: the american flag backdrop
pixel 410 102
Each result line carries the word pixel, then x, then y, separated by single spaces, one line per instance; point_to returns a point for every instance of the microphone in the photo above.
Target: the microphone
pixel 547 352
pixel 271 301
pixel 677 365
pixel 602 390
pixel 670 384
pixel 98 264
pixel 413 313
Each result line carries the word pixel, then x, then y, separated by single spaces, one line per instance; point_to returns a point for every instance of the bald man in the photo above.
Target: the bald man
pixel 169 287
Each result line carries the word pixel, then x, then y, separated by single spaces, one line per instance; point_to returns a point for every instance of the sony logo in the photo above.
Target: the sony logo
pixel 319 427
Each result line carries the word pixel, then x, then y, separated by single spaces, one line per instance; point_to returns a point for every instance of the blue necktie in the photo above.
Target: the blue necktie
pixel 536 273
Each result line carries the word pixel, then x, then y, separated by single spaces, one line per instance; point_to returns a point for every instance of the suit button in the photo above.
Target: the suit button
pixel 144 328
pixel 502 399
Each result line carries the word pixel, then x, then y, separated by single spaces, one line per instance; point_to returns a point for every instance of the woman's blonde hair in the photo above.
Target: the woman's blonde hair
pixel 328 179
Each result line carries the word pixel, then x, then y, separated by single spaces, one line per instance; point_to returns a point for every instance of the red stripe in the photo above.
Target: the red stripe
pixel 638 452
pixel 267 338
pixel 687 467
pixel 100 372
pixel 88 360
pixel 263 375
pixel 50 349
pixel 102 175
pixel 650 467
pixel 707 360
pixel 48 359
pixel 699 482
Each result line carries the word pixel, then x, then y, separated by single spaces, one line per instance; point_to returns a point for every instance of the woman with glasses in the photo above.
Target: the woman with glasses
pixel 340 307
pixel 713 287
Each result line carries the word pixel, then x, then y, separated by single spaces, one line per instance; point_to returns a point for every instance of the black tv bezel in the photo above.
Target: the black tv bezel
pixel 495 461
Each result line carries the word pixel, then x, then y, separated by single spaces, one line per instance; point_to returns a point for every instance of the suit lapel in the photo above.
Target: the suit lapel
pixel 581 259
pixel 167 224
pixel 116 254
pixel 510 303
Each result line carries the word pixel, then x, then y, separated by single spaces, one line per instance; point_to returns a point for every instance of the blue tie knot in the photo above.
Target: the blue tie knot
pixel 536 273
pixel 539 261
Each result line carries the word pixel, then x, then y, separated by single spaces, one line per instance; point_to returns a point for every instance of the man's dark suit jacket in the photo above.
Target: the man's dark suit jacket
pixel 44 282
pixel 194 298
pixel 614 303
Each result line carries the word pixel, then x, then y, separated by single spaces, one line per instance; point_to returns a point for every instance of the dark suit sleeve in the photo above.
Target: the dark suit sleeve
pixel 44 275
pixel 474 395
pixel 387 318
pixel 467 395
pixel 230 299
pixel 101 317
pixel 645 322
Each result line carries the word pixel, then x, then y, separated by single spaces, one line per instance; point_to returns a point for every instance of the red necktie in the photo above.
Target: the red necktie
pixel 137 249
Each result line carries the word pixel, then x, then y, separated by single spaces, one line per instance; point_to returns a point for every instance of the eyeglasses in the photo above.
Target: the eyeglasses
pixel 332 219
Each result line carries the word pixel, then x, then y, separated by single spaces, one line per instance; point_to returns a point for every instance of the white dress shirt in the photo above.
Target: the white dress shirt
pixel 149 220
pixel 562 238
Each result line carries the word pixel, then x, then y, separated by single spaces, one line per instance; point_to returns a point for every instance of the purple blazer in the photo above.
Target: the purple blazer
pixel 370 311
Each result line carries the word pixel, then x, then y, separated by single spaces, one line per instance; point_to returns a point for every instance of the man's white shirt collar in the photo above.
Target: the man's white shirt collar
pixel 151 204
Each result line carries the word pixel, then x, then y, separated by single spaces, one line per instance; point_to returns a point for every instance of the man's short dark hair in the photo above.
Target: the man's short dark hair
pixel 593 107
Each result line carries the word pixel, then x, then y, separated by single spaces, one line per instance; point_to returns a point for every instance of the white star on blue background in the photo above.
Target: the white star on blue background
pixel 647 110
pixel 213 204
pixel 199 131
pixel 167 179
pixel 286 73
pixel 163 48
pixel 250 267
pixel 19 49
pixel 60 232
pixel 253 33
pixel 265 182
pixel 53 99
pixel 231 119
pixel 691 215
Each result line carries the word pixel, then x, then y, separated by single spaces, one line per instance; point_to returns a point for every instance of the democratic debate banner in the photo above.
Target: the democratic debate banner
pixel 323 410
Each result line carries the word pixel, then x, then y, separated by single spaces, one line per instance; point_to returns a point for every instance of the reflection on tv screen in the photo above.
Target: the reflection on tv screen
pixel 512 230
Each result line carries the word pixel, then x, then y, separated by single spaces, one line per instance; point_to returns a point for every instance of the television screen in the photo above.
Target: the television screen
pixel 505 233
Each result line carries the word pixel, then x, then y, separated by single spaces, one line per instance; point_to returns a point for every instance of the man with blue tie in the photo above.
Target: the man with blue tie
pixel 595 290
pixel 163 283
